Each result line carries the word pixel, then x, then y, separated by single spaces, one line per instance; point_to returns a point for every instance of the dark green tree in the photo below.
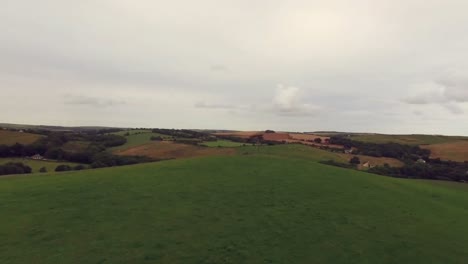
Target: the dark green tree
pixel 355 160
pixel 63 168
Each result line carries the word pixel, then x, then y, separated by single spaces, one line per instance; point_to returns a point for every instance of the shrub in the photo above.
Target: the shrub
pixel 63 168
pixel 337 164
pixel 355 160
pixel 14 168
pixel 79 167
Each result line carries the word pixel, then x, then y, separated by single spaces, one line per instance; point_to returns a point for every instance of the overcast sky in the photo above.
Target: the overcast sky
pixel 396 66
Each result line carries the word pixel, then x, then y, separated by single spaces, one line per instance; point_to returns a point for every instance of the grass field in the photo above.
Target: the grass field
pixel 313 154
pixel 456 151
pixel 237 209
pixel 406 139
pixel 222 143
pixel 36 165
pixel 172 150
pixel 12 137
pixel 136 138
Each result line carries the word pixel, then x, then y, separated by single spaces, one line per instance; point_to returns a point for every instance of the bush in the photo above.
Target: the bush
pixel 79 167
pixel 337 164
pixel 43 169
pixel 434 169
pixel 105 159
pixel 63 168
pixel 14 168
pixel 355 160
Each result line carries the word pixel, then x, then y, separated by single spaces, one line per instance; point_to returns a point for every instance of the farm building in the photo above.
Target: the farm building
pixel 348 151
pixel 37 157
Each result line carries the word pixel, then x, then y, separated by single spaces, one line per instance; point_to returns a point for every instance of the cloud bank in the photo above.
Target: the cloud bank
pixel 450 91
pixel 377 66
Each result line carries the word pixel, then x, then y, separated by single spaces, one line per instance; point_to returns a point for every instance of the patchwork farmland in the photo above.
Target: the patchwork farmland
pixel 237 197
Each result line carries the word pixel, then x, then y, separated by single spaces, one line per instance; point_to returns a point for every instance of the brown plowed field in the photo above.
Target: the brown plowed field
pixel 280 136
pixel 300 136
pixel 240 134
pixel 276 136
pixel 456 151
pixel 171 150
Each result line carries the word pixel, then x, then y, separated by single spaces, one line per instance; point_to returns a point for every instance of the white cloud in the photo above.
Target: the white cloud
pixel 214 105
pixel 453 108
pixel 455 86
pixel 91 101
pixel 450 92
pixel 288 101
pixel 426 93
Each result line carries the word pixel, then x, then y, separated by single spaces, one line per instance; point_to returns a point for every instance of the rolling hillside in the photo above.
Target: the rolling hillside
pixel 456 151
pixel 136 138
pixel 247 208
pixel 11 137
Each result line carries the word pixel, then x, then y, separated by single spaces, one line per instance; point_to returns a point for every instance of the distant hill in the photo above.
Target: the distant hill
pixel 52 128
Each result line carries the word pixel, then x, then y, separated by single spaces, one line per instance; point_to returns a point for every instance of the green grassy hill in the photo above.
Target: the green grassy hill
pixel 223 143
pixel 136 138
pixel 249 208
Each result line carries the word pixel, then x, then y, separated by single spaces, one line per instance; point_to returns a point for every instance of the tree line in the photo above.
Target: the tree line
pixel 14 168
pixel 95 154
pixel 185 133
pixel 433 169
pixel 390 150
pixel 417 161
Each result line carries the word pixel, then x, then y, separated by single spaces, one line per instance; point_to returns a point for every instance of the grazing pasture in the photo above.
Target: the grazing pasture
pixel 305 152
pixel 136 138
pixel 222 143
pixel 11 137
pixel 252 208
pixel 36 165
